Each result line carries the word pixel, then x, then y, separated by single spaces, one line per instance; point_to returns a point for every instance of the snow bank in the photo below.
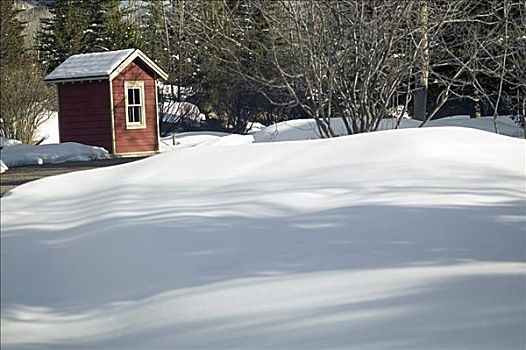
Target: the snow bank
pixel 22 154
pixel 402 239
pixel 505 124
pixel 306 129
pixel 232 140
pixel 253 127
pixel 190 139
pixel 3 167
pixel 293 130
pixel 198 138
pixel 5 142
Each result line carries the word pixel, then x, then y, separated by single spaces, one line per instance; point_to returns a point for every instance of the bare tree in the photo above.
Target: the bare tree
pixel 355 60
pixel 476 53
pixel 334 59
pixel 26 103
pixel 515 96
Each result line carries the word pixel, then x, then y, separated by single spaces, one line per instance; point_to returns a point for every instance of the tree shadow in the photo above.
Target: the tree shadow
pixel 234 266
pixel 121 260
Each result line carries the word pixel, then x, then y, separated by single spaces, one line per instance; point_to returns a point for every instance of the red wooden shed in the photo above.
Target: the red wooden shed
pixel 109 99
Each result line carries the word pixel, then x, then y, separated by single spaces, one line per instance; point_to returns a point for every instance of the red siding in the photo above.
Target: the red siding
pixel 84 113
pixel 135 140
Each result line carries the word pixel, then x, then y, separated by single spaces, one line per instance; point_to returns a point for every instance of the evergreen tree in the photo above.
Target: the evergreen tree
pixel 84 26
pixel 108 29
pixel 237 42
pixel 63 34
pixel 154 33
pixel 12 47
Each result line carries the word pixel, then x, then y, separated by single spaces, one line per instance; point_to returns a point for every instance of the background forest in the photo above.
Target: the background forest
pixel 243 61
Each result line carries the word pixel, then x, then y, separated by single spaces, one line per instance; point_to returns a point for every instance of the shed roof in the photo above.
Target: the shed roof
pixel 99 65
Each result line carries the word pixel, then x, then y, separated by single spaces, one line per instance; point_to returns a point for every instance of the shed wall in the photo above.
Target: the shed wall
pixel 85 114
pixel 135 140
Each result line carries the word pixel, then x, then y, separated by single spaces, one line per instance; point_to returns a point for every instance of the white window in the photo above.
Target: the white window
pixel 135 111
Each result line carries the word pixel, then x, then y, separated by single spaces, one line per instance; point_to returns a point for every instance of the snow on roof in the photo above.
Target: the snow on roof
pixel 99 64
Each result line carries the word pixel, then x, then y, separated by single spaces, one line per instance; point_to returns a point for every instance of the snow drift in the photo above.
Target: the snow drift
pixel 5 142
pixel 306 129
pixel 190 139
pixel 3 167
pixel 18 154
pixel 397 239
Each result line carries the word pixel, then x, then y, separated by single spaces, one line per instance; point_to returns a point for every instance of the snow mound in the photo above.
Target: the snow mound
pixel 399 239
pixel 199 138
pixel 22 154
pixel 306 129
pixel 505 124
pixel 190 139
pixel 253 127
pixel 3 167
pixel 232 140
pixel 293 130
pixel 5 142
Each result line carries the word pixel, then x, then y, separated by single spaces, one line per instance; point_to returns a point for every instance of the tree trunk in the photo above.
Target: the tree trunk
pixel 478 113
pixel 419 107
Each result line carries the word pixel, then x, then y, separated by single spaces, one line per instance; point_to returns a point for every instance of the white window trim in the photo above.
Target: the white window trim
pixel 140 85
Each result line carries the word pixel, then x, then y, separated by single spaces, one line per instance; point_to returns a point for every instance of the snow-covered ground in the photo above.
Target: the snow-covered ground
pixel 505 124
pixel 404 239
pixel 199 138
pixel 299 129
pixel 190 139
pixel 306 129
pixel 48 131
pixel 3 167
pixel 15 154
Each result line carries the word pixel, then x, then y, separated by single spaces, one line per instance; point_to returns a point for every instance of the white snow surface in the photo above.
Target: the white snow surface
pixel 22 154
pixel 48 130
pixel 199 138
pixel 505 124
pixel 3 167
pixel 85 65
pixel 5 142
pixel 402 239
pixel 190 139
pixel 306 129
pixel 254 127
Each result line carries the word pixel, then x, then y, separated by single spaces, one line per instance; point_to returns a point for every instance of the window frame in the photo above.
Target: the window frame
pixel 134 84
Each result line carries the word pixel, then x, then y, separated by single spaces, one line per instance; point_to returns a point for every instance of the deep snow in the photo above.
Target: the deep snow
pixel 190 139
pixel 3 167
pixel 398 239
pixel 306 129
pixel 16 154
